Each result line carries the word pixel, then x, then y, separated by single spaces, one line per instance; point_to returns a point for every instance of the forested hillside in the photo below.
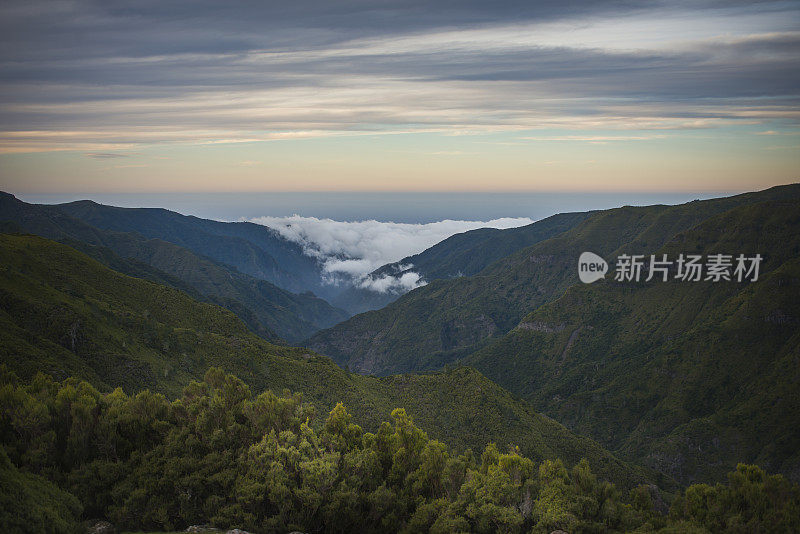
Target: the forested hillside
pixel 687 377
pixel 264 307
pixel 116 399
pixel 66 315
pixel 448 319
pixel 219 454
pixel 468 253
pixel 251 248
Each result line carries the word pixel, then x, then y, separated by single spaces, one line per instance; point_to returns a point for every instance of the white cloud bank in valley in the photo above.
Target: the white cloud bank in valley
pixel 349 251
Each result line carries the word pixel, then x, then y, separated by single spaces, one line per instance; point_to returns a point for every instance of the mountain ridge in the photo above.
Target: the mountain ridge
pixel 65 314
pixel 469 252
pixel 264 307
pixel 686 377
pixel 445 320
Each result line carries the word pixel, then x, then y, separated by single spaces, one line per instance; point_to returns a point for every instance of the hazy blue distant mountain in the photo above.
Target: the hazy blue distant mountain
pixel 253 249
pixel 263 253
pixel 462 254
pixel 264 307
pixel 470 252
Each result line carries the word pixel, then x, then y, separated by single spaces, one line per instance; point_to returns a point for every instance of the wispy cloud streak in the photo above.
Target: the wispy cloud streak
pixel 103 76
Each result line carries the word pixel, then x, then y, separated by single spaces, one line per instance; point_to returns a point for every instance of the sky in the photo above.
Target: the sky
pixel 376 95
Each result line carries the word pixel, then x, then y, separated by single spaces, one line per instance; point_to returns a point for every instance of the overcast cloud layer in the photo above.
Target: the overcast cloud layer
pixel 102 76
pixel 350 251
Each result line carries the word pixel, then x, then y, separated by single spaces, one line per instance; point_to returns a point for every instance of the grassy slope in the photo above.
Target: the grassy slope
pixel 689 378
pixel 448 319
pixel 260 304
pixel 65 314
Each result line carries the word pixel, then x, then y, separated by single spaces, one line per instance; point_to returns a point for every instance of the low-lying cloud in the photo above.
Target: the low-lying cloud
pixel 392 284
pixel 350 251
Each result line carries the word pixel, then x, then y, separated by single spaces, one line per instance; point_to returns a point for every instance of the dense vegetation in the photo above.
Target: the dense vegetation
pixel 686 379
pixel 448 319
pixel 67 315
pixel 31 503
pixel 268 310
pixel 264 463
pixel 689 378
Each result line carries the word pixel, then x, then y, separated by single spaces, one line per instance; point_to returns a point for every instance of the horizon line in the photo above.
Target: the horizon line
pixel 407 191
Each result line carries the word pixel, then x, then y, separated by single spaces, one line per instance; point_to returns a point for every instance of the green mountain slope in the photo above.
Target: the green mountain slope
pixel 293 317
pixel 138 269
pixel 689 378
pixel 448 319
pixel 67 315
pixel 463 254
pixel 468 253
pixel 264 307
pixel 253 249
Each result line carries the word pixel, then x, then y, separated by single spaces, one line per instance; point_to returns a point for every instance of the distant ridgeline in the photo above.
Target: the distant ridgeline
pixel 680 381
pixel 244 267
pixel 205 254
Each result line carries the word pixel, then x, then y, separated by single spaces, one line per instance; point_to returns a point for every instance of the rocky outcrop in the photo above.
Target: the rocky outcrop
pixel 571 341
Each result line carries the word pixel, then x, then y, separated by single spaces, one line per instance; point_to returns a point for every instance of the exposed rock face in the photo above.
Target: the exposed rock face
pixel 202 528
pixel 571 341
